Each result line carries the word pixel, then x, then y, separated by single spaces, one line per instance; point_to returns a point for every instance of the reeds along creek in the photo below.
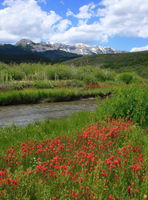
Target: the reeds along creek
pixel 31 83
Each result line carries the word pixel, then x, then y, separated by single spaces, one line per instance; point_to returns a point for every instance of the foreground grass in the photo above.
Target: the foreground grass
pixel 127 102
pixel 87 156
pixel 43 130
pixel 106 160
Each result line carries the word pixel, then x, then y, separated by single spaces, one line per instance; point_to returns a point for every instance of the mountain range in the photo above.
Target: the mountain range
pixel 78 48
pixel 28 51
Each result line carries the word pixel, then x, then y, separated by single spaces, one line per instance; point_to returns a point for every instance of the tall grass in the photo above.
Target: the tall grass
pixel 39 131
pixel 131 102
pixel 39 71
pixel 60 94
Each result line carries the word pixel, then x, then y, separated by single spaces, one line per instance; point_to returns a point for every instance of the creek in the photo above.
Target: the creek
pixel 22 115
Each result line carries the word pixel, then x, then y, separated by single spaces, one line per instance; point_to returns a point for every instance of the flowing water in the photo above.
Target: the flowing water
pixel 22 115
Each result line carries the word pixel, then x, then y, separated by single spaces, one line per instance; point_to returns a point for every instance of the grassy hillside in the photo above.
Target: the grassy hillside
pixel 137 62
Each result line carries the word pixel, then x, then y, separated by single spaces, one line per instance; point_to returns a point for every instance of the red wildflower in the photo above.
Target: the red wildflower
pixel 136 191
pixel 3 174
pixel 135 168
pixel 116 177
pixel 111 197
pixel 103 173
pixel 10 181
pixel 129 189
pixel 3 192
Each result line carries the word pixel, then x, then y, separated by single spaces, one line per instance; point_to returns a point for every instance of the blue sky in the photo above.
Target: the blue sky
pixel 120 24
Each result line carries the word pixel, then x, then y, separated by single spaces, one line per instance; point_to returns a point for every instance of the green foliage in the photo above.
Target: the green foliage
pixel 58 94
pixel 44 72
pixel 18 75
pixel 43 84
pixel 69 83
pixel 92 74
pixel 100 76
pixel 105 75
pixel 36 72
pixel 130 101
pixel 90 79
pixel 128 77
pixel 59 72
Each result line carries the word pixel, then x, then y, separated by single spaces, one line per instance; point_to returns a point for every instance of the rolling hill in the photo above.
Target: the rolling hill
pixel 137 61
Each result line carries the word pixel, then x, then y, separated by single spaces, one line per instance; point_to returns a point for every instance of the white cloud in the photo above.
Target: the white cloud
pixel 62 25
pixel 135 49
pixel 85 12
pixel 7 37
pixel 124 17
pixel 84 34
pixel 114 17
pixel 25 19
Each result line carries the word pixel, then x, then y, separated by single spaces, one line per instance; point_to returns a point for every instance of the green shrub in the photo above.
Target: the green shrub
pixel 130 101
pixel 18 75
pixel 82 72
pixel 69 83
pixel 16 86
pixel 109 75
pixel 59 72
pixel 74 83
pixel 90 79
pixel 100 76
pixel 128 78
pixel 43 84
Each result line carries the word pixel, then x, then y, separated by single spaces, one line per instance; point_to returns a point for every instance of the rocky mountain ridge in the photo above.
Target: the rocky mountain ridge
pixel 78 48
pixel 25 53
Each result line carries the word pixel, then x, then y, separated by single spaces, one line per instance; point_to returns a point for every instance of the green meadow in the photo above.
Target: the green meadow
pixel 97 155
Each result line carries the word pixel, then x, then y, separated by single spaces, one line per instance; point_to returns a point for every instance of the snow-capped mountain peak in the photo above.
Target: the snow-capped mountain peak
pixel 78 48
